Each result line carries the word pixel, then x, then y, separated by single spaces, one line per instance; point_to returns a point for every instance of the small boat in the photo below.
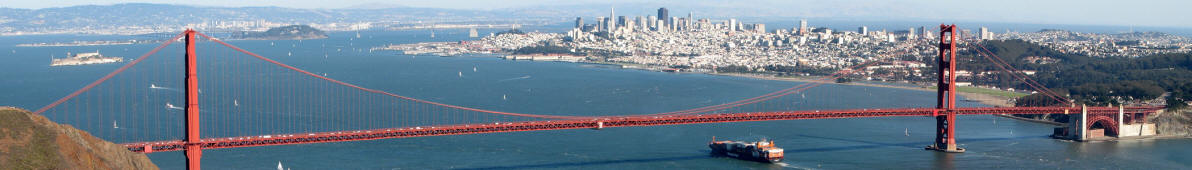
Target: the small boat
pixel 289 53
pixel 153 86
pixel 114 125
pixel 473 68
pixel 461 74
pixel 503 97
pixel 235 102
pixel 906 131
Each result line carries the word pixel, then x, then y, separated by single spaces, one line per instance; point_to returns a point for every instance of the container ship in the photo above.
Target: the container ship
pixel 84 59
pixel 761 151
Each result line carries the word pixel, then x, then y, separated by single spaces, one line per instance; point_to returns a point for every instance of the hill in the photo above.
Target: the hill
pixel 29 141
pixel 292 32
pixel 1089 80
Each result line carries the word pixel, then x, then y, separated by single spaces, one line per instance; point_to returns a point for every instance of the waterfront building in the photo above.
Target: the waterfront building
pixel 863 30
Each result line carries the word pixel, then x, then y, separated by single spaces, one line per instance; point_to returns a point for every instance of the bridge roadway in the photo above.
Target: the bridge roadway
pixel 598 122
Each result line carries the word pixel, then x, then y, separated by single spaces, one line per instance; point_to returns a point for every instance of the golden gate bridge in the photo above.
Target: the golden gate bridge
pixel 350 112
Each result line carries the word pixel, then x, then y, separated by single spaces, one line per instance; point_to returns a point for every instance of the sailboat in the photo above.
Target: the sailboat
pixel 279 167
pixel 432 33
pixel 461 74
pixel 114 125
pixel 235 102
pixel 473 68
pixel 503 97
pixel 289 53
pixel 357 34
pixel 906 131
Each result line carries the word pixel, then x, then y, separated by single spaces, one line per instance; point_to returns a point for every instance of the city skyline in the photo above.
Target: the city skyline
pixel 1098 12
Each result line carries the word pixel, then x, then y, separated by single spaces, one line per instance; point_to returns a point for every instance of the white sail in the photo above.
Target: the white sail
pixel 114 125
pixel 279 167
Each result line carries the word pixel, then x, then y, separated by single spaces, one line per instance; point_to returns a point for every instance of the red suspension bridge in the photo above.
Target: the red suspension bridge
pixel 287 111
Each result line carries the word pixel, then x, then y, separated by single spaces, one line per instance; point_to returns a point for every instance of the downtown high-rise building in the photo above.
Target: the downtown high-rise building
pixel 911 33
pixel 627 23
pixel 612 16
pixel 664 14
pixel 926 33
pixel 642 25
pixel 579 22
pixel 674 23
pixel 863 30
pixel 984 34
pixel 653 22
pixel 600 24
pixel 732 25
pixel 803 26
pixel 688 22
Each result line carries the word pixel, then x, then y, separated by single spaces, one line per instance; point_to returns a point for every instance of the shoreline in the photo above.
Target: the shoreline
pixel 992 100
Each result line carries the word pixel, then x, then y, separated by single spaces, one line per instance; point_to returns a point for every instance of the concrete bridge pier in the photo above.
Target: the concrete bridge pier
pixel 1086 127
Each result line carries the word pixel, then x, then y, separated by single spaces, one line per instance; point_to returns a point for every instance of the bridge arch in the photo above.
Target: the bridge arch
pixel 1102 126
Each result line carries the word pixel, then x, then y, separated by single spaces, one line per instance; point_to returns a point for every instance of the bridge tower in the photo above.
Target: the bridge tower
pixel 194 150
pixel 945 123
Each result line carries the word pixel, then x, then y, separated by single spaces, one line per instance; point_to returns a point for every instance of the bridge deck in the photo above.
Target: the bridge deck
pixel 598 122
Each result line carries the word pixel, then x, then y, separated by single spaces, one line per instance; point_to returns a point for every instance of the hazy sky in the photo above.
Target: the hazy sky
pixel 1166 13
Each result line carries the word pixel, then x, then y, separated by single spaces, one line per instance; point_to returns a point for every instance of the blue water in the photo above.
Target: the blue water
pixel 588 89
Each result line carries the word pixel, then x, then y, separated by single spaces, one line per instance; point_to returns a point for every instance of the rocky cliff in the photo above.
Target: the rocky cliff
pixel 29 141
pixel 1174 123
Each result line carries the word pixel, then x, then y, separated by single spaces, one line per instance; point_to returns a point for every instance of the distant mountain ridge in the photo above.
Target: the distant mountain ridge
pixel 106 19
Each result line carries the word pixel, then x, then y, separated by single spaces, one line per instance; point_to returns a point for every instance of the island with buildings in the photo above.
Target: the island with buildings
pixel 85 59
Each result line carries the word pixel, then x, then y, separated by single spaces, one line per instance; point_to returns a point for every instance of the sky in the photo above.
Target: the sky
pixel 1159 13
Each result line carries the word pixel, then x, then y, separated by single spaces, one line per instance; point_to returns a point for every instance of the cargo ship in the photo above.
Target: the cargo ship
pixel 84 59
pixel 761 151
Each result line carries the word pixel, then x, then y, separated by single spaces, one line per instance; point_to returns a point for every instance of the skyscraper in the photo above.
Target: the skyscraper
pixel 863 30
pixel 663 14
pixel 674 23
pixel 732 25
pixel 641 21
pixel 984 33
pixel 803 26
pixel 687 24
pixel 612 22
pixel 579 22
pixel 911 34
pixel 653 22
pixel 600 25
